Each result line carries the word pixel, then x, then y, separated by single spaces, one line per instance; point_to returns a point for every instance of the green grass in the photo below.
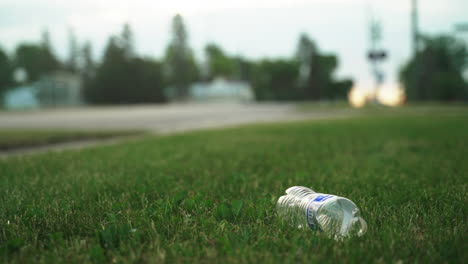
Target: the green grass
pixel 14 139
pixel 210 196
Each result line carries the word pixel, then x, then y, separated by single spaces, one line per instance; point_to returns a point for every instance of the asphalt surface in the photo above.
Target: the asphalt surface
pixel 161 119
pixel 157 118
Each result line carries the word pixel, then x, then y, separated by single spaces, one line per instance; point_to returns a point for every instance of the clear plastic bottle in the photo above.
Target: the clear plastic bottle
pixel 336 216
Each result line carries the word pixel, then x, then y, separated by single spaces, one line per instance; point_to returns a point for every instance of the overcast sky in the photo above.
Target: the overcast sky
pixel 252 28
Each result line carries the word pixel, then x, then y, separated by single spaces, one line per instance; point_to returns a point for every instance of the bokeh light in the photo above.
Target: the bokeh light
pixel 391 95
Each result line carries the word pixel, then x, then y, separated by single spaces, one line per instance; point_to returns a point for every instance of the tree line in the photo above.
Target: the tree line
pixel 436 71
pixel 124 77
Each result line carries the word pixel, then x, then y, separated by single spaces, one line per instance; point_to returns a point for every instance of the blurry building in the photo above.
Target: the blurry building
pixel 221 90
pixel 21 97
pixel 56 89
pixel 60 89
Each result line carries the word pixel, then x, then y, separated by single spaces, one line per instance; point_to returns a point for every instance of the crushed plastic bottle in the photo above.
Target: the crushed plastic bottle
pixel 337 217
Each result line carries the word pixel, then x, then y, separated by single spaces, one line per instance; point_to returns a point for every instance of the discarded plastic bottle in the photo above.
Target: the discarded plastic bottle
pixel 336 216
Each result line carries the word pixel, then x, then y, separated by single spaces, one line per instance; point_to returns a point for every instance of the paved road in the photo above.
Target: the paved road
pixel 158 118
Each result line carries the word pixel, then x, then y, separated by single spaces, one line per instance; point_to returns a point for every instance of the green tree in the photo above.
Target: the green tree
pixel 123 78
pixel 111 76
pixel 148 81
pixel 48 60
pixel 307 76
pixel 321 77
pixel 436 72
pixel 180 63
pixel 312 76
pixel 35 59
pixel 87 70
pixel 306 54
pixel 6 73
pixel 126 41
pixel 339 89
pixel 28 57
pixel 276 80
pixel 218 63
pixel 73 52
pixel 243 69
pixel 316 74
pixel 87 57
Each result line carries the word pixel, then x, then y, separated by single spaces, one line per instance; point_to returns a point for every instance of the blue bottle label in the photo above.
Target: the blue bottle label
pixel 322 197
pixel 310 216
pixel 312 208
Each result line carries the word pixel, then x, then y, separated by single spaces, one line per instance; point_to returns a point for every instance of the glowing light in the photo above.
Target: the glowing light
pixel 391 95
pixel 357 97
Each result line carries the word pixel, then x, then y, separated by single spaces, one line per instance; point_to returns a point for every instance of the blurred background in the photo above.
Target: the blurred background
pixel 69 54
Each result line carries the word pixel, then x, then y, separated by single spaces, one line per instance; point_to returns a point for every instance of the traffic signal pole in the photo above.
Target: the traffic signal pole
pixel 376 54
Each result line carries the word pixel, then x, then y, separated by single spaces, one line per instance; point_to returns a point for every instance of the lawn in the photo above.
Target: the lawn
pixel 209 196
pixel 15 139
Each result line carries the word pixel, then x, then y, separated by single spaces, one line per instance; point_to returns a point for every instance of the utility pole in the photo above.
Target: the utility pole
pixel 415 46
pixel 414 27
